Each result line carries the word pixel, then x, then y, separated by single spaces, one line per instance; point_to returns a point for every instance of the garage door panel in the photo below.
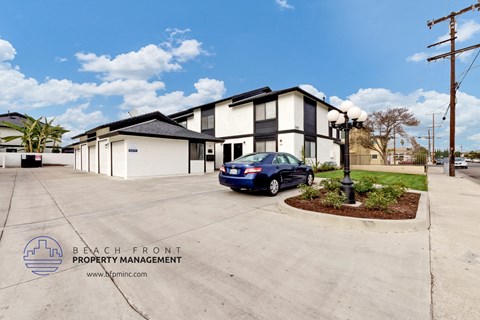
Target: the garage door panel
pixel 103 156
pixel 92 158
pixel 118 159
pixel 84 153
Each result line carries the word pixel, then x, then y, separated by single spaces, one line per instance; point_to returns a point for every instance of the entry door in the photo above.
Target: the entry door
pixel 237 150
pixel 227 152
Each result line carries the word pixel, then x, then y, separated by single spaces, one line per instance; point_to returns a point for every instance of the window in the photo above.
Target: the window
pixel 292 159
pixel 280 159
pixel 11 150
pixel 197 151
pixel 183 123
pixel 266 146
pixel 374 156
pixel 266 111
pixel 208 122
pixel 310 149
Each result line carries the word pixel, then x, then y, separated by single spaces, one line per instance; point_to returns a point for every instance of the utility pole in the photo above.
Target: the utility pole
pixel 429 150
pixel 433 136
pixel 453 83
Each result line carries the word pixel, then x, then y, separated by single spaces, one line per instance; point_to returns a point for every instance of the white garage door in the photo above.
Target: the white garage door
pixel 78 159
pixel 103 156
pixel 92 158
pixel 84 153
pixel 118 159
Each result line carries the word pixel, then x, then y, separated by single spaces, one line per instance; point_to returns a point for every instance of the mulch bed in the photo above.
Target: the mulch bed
pixel 405 208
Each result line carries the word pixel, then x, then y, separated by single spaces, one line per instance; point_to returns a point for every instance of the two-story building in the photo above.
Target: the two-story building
pixel 290 120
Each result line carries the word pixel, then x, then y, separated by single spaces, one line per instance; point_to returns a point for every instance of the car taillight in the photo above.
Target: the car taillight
pixel 252 170
pixel 222 169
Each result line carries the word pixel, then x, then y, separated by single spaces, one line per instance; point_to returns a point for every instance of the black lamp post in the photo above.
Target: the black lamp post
pixel 341 121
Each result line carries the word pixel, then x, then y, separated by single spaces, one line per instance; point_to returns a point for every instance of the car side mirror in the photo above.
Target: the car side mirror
pixel 301 163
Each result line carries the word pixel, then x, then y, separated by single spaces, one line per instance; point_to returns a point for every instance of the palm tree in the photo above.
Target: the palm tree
pixel 35 134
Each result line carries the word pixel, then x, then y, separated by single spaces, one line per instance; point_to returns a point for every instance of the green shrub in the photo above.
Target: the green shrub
pixel 334 199
pixel 379 200
pixel 328 166
pixel 395 190
pixel 331 184
pixel 308 192
pixel 315 166
pixel 364 185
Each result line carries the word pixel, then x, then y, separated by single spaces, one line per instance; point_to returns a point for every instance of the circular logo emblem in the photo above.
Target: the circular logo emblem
pixel 42 255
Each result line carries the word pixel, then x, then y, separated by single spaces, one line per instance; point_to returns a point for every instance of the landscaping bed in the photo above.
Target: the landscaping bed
pixel 405 207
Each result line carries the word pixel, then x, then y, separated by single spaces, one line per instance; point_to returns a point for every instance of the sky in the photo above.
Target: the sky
pixel 91 62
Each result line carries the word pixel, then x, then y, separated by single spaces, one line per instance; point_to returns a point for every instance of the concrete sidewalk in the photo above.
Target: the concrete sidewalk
pixel 455 245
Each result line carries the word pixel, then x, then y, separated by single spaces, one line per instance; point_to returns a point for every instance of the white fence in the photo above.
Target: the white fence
pixel 8 160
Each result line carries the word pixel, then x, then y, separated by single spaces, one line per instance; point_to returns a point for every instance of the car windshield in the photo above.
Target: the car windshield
pixel 253 157
pixel 459 159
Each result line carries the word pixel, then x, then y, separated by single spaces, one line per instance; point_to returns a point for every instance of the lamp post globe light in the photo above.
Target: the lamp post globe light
pixel 347 118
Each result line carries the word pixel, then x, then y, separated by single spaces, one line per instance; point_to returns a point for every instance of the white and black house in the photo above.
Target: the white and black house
pixel 290 120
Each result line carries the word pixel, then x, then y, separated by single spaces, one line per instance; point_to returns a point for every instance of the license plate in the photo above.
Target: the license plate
pixel 233 171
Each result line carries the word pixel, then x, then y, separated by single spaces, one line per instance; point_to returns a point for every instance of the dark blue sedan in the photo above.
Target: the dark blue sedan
pixel 265 171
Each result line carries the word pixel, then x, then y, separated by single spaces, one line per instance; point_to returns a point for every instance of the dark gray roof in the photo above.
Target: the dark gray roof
pixel 13 117
pixel 160 129
pixel 130 121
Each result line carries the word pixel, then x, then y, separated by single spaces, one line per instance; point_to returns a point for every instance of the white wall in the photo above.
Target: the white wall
pixel 322 122
pixel 92 156
pixel 327 150
pixel 197 166
pixel 194 123
pixel 286 118
pixel 14 159
pixel 103 154
pixel 233 121
pixel 155 156
pixel 291 143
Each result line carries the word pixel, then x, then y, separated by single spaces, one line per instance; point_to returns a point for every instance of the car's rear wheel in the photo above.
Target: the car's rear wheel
pixel 309 179
pixel 236 189
pixel 273 187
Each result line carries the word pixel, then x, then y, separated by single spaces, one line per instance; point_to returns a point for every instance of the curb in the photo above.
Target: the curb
pixel 420 223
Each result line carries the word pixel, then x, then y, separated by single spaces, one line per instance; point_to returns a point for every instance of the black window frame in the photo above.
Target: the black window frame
pixel 264 114
pixel 207 119
pixel 198 152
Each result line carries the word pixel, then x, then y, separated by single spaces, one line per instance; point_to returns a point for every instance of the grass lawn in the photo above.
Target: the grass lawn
pixel 412 181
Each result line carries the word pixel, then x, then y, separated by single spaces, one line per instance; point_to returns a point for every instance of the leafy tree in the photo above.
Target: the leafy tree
pixel 35 134
pixel 382 125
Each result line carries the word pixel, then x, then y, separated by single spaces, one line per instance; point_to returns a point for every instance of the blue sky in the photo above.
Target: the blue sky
pixel 88 62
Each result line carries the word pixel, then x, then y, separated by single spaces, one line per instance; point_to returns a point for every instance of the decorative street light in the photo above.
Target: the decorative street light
pixel 341 121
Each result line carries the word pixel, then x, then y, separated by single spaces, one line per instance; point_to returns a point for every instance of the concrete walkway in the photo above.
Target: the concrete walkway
pixel 242 259
pixel 455 245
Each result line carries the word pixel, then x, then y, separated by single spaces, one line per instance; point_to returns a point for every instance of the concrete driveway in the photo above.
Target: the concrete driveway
pixel 240 257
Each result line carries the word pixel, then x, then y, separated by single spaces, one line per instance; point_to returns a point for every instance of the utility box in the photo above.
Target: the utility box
pixel 31 161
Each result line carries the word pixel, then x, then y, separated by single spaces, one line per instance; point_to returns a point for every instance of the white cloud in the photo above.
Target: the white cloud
pixel 311 89
pixel 423 103
pixel 7 51
pixel 475 137
pixel 283 4
pixel 417 57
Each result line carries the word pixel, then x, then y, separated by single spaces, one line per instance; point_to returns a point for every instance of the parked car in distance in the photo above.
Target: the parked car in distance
pixel 476 160
pixel 461 163
pixel 265 171
pixel 439 161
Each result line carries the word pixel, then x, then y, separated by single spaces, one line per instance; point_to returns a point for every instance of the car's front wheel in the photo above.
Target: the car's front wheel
pixel 273 187
pixel 309 179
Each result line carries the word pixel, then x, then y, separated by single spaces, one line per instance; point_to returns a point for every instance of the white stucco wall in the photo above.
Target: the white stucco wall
pixel 197 166
pixel 327 150
pixel 290 111
pixel 233 121
pixel 13 159
pixel 156 157
pixel 291 143
pixel 322 122
pixel 194 123
pixel 103 154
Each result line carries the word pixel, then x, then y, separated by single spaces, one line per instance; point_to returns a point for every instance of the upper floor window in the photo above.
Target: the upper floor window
pixel 183 123
pixel 208 122
pixel 266 111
